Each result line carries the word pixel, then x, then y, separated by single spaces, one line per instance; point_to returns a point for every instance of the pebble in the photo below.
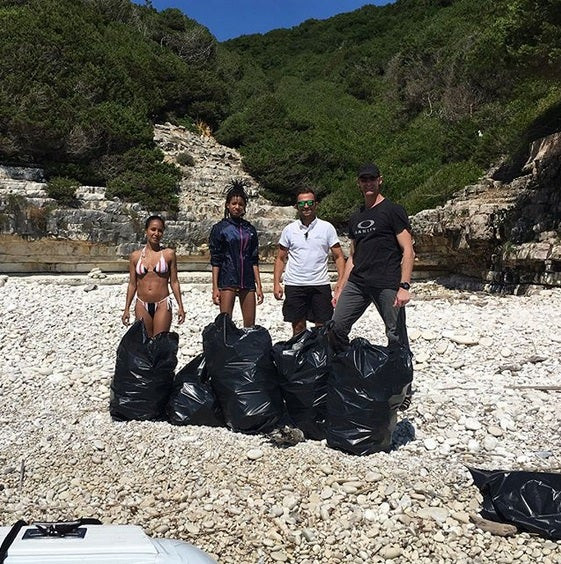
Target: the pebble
pixel 430 443
pixel 326 493
pixel 414 334
pixel 391 552
pixel 468 340
pixel 439 514
pixel 421 357
pixel 490 443
pixel 495 431
pixel 254 454
pixel 472 424
pixel 473 445
pixel 373 476
pixel 243 499
pixel 290 502
pixel 429 335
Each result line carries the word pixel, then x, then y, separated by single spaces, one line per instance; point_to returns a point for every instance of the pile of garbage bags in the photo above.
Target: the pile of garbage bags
pixel 243 381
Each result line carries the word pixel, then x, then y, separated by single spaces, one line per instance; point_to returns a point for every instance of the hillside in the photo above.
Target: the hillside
pixel 83 82
pixel 435 91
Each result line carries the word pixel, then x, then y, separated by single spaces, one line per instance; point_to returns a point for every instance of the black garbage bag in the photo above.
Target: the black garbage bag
pixel 192 400
pixel 366 385
pixel 302 368
pixel 144 372
pixel 529 500
pixel 243 376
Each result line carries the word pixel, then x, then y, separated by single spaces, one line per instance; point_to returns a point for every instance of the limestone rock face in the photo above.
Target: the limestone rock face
pixel 203 188
pixel 38 236
pixel 504 233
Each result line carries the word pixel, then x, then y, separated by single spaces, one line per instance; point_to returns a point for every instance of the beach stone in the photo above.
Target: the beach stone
pixel 309 535
pixel 438 514
pixel 430 443
pixel 468 340
pixel 421 357
pixel 413 334
pixel 254 454
pixel 495 431
pixel 461 516
pixel 370 515
pixel 390 552
pixel 472 424
pixel 290 502
pixel 473 445
pixel 490 443
pixel 326 493
pixel 429 335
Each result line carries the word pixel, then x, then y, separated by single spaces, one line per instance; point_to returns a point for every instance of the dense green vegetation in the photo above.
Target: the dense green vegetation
pixel 84 80
pixel 434 91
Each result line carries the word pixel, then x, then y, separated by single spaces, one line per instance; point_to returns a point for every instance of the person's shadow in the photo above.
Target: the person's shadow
pixel 403 433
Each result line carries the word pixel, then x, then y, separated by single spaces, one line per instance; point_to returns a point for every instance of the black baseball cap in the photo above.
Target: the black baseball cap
pixel 369 169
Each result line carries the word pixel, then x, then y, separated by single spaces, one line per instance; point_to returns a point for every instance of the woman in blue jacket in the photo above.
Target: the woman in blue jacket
pixel 234 256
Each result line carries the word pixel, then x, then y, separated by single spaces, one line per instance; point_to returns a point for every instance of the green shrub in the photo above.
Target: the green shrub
pixel 436 189
pixel 185 159
pixel 63 190
pixel 154 190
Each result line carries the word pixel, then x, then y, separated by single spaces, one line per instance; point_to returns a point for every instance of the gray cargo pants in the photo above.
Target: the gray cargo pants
pixel 352 303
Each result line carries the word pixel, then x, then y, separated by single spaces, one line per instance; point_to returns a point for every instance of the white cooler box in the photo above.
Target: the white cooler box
pixel 100 544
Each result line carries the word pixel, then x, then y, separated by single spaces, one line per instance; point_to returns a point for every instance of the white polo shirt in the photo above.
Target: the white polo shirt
pixel 308 252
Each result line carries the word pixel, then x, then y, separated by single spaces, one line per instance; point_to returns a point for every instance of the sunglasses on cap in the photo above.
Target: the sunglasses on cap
pixel 306 203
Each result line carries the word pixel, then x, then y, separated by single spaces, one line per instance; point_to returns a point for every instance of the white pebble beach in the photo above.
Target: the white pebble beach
pixel 483 364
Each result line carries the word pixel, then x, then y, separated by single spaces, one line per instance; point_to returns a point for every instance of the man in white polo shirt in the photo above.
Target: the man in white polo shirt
pixel 304 248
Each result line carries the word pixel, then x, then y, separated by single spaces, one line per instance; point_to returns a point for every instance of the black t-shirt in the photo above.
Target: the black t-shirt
pixel 377 254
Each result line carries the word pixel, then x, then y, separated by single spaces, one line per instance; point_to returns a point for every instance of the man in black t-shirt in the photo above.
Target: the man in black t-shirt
pixel 379 267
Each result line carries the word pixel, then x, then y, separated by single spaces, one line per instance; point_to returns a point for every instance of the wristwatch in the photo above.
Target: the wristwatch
pixel 405 285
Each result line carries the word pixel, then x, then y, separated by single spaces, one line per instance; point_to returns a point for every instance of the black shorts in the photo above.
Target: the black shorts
pixel 312 303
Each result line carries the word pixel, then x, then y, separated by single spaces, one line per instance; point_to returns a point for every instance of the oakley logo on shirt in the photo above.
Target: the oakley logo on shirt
pixel 366 226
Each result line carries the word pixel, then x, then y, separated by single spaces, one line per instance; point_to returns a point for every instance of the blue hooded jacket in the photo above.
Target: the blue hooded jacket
pixel 235 249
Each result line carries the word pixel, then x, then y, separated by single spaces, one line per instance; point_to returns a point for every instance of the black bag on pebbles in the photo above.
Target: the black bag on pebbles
pixel 192 400
pixel 366 386
pixel 302 367
pixel 242 374
pixel 144 372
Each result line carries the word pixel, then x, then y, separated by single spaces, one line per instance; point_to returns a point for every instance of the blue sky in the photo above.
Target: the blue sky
pixel 231 18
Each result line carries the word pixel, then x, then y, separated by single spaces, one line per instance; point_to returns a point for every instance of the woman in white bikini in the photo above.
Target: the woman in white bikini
pixel 153 270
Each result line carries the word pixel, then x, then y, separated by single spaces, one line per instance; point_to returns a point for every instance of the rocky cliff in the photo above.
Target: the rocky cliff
pixel 38 236
pixel 504 232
